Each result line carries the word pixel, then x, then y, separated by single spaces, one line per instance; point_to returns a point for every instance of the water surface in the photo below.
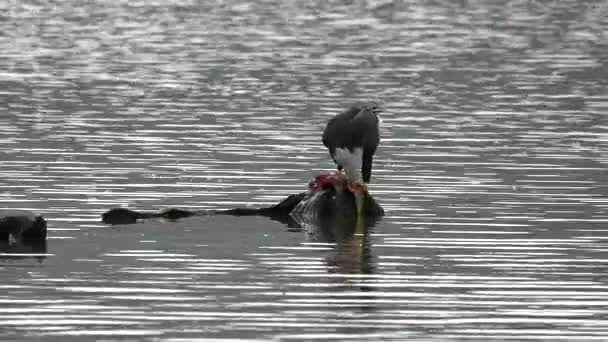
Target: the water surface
pixel 492 169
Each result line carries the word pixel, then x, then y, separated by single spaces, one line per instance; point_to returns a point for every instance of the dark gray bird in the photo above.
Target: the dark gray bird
pixel 352 138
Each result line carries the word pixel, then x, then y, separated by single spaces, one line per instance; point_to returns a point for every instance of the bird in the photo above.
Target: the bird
pixel 352 138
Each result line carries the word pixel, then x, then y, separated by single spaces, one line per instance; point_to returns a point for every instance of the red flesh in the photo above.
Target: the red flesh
pixel 329 178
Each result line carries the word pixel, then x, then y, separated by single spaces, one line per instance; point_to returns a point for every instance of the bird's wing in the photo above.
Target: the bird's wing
pixel 334 134
pixel 366 122
pixel 357 126
pixel 365 128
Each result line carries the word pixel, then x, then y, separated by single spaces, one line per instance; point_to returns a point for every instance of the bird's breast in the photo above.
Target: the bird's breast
pixel 351 161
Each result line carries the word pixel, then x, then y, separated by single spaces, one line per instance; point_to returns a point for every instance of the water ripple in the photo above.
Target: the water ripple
pixel 491 169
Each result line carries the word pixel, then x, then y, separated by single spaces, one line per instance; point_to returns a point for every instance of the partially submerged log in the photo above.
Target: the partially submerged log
pixel 325 197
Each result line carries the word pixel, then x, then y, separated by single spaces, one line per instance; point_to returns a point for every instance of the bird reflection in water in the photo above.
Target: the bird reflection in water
pixel 351 239
pixel 350 260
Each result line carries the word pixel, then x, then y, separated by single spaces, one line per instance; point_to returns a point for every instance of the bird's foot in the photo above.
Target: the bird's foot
pixel 357 186
pixel 362 186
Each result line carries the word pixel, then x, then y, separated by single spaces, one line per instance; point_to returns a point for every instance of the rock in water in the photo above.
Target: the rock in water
pixel 25 228
pixel 121 216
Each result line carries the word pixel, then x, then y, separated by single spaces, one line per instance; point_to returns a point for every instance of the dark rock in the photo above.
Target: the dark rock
pixel 121 216
pixel 174 214
pixel 24 228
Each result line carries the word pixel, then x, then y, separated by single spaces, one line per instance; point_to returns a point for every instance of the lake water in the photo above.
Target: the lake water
pixel 492 169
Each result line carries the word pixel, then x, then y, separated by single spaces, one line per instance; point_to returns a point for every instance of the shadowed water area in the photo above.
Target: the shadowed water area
pixel 492 169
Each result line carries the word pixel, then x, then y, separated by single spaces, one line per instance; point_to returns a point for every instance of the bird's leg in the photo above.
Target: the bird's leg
pixel 359 200
pixel 364 186
pixel 360 197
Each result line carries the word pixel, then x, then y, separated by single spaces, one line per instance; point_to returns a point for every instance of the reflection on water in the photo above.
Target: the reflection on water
pixel 20 250
pixel 492 169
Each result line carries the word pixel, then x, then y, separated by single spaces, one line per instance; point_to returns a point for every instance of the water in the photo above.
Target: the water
pixel 492 169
